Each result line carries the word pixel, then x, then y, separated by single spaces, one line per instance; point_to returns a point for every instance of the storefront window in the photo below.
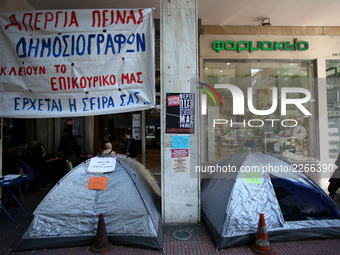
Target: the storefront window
pixel 258 105
pixel 333 106
pixel 112 127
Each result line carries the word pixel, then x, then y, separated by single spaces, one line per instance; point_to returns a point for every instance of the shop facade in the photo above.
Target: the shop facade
pixel 278 64
pixel 286 78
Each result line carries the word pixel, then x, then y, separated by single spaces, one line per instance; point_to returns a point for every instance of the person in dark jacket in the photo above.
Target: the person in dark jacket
pixel 69 147
pixel 130 148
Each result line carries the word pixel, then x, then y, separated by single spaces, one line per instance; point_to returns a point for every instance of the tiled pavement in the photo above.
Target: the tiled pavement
pixel 201 242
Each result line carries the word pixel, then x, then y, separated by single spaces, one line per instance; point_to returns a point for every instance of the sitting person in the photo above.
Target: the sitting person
pixel 49 167
pixel 107 150
pixel 102 148
pixel 24 169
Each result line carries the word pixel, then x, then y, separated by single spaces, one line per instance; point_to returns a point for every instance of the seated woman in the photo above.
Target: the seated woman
pixel 107 150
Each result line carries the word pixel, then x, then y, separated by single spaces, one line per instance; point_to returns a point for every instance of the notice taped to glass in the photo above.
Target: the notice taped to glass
pixel 180 110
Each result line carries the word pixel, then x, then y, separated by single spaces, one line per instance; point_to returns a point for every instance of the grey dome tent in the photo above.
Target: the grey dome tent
pixel 68 215
pixel 247 184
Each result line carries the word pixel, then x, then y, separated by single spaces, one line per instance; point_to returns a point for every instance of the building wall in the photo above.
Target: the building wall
pixel 14 5
pixel 179 65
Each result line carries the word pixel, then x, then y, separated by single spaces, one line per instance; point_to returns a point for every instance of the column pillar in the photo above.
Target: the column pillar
pixel 179 70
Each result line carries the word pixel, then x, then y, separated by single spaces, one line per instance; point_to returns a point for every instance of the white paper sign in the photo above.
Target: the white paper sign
pixel 180 160
pixel 61 63
pixel 101 165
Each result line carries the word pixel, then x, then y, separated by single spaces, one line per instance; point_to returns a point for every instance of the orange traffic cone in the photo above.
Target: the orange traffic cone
pixel 101 244
pixel 261 245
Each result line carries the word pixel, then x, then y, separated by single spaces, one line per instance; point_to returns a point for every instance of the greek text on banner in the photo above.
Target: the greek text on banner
pixel 76 62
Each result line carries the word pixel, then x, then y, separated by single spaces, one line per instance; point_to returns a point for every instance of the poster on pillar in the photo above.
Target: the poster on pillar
pixel 180 160
pixel 63 63
pixel 180 113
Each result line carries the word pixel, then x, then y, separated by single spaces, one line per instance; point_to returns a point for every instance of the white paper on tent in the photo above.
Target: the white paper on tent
pixel 102 165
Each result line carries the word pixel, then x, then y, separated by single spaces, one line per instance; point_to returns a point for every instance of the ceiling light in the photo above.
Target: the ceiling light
pixel 265 22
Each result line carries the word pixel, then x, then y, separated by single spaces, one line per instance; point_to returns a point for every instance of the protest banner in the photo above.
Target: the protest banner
pixel 61 63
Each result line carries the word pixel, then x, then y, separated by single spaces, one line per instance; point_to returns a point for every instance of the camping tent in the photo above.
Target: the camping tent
pixel 68 215
pixel 246 184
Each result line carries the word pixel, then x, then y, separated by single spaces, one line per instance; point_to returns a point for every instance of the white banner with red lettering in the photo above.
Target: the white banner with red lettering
pixel 64 63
